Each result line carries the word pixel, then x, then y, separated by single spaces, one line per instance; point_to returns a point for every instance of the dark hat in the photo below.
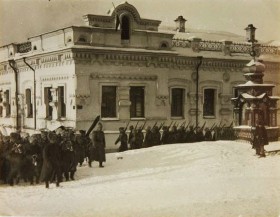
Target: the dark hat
pixel 52 136
pixel 15 136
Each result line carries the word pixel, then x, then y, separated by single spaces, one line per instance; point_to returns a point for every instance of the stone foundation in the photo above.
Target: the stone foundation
pixel 245 133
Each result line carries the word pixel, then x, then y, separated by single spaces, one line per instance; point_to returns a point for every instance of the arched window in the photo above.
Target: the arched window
pixel 125 28
pixel 163 45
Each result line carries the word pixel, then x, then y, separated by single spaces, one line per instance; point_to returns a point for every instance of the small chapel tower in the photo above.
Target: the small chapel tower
pixel 255 101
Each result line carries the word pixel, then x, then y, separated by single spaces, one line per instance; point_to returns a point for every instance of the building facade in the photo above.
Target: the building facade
pixel 131 72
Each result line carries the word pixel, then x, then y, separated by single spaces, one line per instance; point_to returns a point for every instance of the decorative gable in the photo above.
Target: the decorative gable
pixel 122 10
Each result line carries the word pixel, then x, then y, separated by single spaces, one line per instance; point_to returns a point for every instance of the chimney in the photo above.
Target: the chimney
pixel 180 24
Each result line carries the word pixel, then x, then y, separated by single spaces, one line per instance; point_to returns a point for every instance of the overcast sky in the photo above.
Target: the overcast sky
pixel 20 19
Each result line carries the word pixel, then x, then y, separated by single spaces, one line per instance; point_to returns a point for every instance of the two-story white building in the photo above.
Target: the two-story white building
pixel 135 72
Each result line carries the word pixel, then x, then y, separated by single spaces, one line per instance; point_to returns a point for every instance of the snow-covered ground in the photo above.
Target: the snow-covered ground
pixel 201 179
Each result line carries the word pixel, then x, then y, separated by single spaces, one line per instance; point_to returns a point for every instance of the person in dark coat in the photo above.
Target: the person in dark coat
pixel 15 158
pixel 139 138
pixel 68 158
pixel 123 139
pixel 156 136
pixel 51 160
pixel 172 139
pixel 164 136
pixel 98 140
pixel 80 148
pixel 148 138
pixel 208 135
pixel 260 139
pixel 199 134
pixel 36 153
pixel 191 135
pixel 181 134
pixel 131 137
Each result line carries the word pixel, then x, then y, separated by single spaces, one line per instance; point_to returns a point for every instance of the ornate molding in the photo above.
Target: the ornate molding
pixel 161 100
pixel 172 61
pixel 178 82
pixel 211 84
pixel 82 99
pixel 55 78
pixel 124 77
pixel 5 83
pixel 225 98
pixel 226 77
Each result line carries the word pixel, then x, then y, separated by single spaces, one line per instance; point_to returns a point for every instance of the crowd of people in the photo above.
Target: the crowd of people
pixel 50 156
pixel 53 156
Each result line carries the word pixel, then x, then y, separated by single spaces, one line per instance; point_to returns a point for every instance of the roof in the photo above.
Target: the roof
pixel 203 34
pixel 252 84
pixel 248 96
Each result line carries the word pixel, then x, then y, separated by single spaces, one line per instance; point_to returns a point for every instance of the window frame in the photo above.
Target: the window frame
pixel 29 107
pixel 125 40
pixel 116 101
pixel 7 104
pixel 206 116
pixel 182 102
pixel 47 117
pixel 61 107
pixel 143 103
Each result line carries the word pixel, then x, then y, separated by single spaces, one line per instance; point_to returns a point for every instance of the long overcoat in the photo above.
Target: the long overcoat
pixel 98 140
pixel 260 137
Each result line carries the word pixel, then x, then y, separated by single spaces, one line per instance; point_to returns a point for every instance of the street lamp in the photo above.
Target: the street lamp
pixel 250 37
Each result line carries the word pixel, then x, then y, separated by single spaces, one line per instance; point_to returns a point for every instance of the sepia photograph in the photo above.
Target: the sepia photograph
pixel 139 108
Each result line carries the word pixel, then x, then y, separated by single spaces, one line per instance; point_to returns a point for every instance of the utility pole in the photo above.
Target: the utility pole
pixel 13 65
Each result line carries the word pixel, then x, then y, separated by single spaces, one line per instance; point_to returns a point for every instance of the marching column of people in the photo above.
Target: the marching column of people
pixel 152 136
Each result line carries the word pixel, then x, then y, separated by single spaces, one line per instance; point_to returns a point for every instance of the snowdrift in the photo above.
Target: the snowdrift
pixel 221 178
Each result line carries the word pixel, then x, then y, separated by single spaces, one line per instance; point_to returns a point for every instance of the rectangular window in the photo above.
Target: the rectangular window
pixel 209 102
pixel 7 103
pixel 109 102
pixel 48 99
pixel 28 103
pixel 177 102
pixel 137 99
pixel 61 102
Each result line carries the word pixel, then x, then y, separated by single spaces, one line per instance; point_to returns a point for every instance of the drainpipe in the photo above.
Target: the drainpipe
pixel 34 91
pixel 196 94
pixel 12 64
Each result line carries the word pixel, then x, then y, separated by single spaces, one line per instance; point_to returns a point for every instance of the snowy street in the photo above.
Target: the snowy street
pixel 222 178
